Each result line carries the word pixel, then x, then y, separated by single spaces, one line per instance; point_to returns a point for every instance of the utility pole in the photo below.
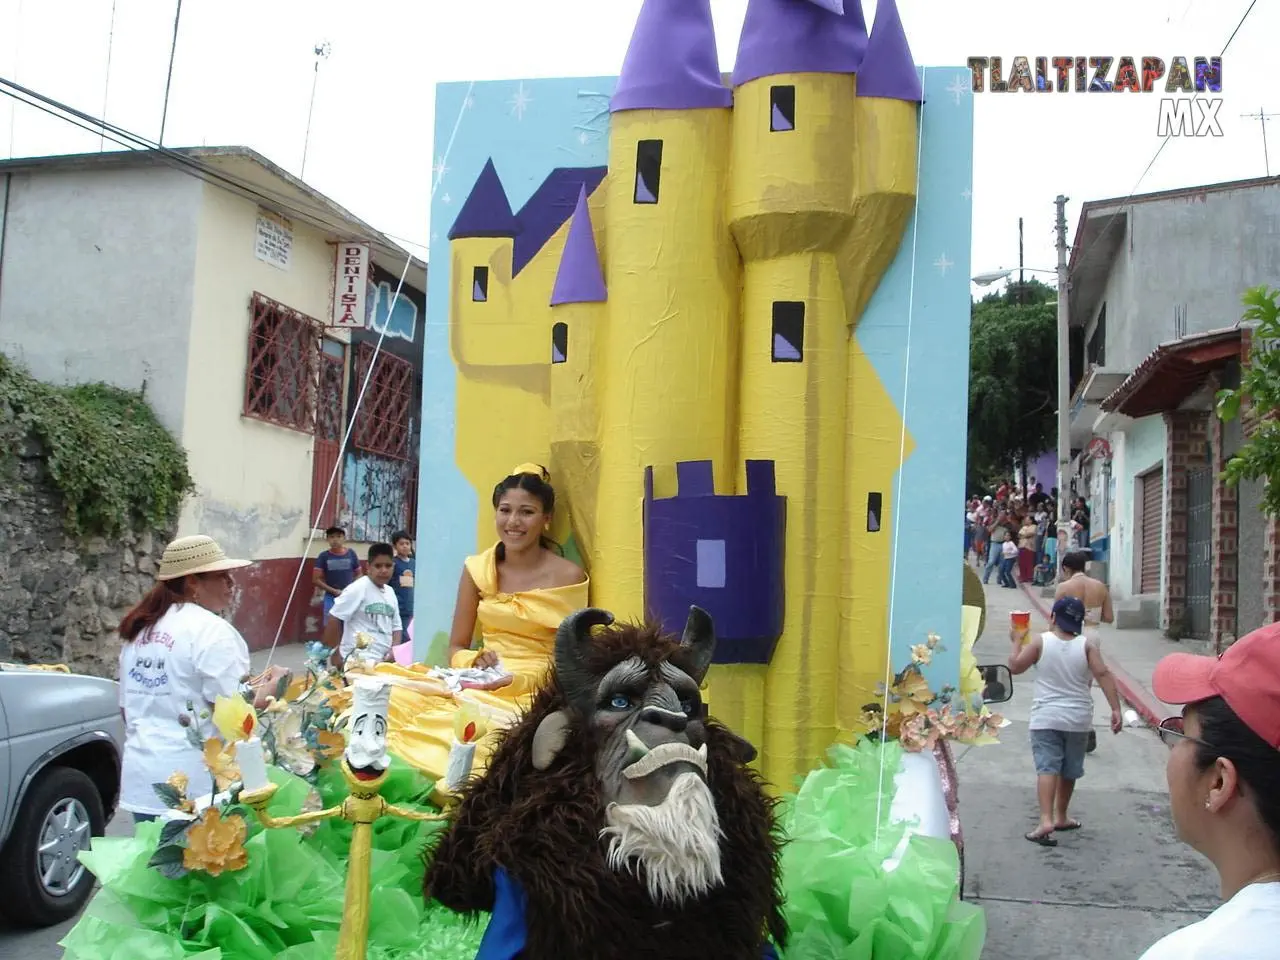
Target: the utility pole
pixel 173 49
pixel 1064 381
pixel 1262 116
pixel 1022 288
pixel 322 53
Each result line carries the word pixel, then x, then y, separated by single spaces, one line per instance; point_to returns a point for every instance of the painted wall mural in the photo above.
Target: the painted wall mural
pixel 733 321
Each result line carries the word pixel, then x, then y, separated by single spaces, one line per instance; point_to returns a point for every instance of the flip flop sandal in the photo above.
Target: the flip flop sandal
pixel 1073 825
pixel 1044 839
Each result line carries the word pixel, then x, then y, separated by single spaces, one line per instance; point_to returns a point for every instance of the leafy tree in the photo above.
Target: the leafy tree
pixel 1013 380
pixel 1257 400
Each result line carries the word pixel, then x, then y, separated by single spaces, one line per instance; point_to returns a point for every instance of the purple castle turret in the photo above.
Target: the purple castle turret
pixel 487 211
pixel 579 278
pixel 672 62
pixel 800 36
pixel 888 69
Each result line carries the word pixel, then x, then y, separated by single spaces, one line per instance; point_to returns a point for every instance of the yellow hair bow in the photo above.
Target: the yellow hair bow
pixel 534 468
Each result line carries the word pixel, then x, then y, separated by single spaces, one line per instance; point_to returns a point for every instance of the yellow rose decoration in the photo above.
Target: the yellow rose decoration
pixel 235 718
pixel 216 845
pixel 220 763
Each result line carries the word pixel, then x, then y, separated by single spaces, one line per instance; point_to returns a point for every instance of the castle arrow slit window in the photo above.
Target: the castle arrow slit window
pixel 559 342
pixel 480 285
pixel 782 109
pixel 648 170
pixel 788 331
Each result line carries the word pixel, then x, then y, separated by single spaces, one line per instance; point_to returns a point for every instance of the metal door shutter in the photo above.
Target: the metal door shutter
pixel 1152 527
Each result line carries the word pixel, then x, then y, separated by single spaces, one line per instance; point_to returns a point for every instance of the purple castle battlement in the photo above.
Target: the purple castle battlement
pixel 722 553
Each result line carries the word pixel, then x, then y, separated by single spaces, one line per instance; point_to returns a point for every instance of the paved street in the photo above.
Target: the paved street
pixel 1109 890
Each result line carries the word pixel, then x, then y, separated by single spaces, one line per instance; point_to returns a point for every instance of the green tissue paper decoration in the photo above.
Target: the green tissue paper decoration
pixel 287 903
pixel 841 902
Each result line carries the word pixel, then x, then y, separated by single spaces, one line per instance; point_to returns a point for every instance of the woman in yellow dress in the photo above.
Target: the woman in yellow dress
pixel 517 592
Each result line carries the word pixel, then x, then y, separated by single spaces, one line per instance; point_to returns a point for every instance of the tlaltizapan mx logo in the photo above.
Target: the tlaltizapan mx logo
pixel 1183 112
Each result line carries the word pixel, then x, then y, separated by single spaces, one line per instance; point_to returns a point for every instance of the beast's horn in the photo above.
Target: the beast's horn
pixel 700 638
pixel 574 633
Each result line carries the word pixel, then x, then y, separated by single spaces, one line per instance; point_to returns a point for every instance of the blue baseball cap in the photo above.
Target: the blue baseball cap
pixel 1068 614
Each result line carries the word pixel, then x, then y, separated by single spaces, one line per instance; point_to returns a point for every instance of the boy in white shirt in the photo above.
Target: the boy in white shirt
pixel 368 606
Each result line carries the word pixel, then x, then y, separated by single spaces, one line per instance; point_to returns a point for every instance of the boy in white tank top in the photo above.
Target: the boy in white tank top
pixel 1066 663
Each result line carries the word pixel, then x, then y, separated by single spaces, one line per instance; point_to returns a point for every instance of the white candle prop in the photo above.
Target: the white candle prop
pixel 253 767
pixel 458 767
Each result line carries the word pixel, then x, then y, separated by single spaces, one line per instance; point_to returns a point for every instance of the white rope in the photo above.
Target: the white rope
pixel 373 362
pixel 902 454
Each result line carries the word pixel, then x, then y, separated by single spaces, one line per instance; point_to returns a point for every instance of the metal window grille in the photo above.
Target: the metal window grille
pixel 384 418
pixel 329 424
pixel 284 357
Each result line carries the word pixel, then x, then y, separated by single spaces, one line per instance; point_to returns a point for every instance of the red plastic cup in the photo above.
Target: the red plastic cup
pixel 1020 620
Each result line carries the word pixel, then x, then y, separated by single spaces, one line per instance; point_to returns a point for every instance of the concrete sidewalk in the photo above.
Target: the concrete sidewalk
pixel 1132 655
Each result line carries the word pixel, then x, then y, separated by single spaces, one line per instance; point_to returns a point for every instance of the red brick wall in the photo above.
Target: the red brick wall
pixel 1177 439
pixel 1226 542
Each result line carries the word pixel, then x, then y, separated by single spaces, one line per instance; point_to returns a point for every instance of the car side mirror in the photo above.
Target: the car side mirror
pixel 997 683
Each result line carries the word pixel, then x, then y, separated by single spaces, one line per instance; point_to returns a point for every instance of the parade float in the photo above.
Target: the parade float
pixel 730 315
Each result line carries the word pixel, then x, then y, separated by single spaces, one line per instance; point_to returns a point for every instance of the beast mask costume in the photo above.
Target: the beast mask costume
pixel 616 821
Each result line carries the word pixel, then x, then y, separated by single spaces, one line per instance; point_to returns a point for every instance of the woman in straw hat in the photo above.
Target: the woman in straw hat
pixel 1224 791
pixel 177 657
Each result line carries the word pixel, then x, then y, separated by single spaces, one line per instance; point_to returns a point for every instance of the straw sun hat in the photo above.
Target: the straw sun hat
pixel 187 556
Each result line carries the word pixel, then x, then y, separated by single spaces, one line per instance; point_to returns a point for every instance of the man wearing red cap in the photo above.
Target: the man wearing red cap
pixel 1224 791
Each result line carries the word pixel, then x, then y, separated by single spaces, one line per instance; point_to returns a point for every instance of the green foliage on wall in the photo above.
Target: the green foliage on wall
pixel 1013 386
pixel 1258 400
pixel 116 467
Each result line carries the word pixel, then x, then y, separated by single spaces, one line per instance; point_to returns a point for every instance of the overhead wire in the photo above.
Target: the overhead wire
pixel 1124 204
pixel 179 158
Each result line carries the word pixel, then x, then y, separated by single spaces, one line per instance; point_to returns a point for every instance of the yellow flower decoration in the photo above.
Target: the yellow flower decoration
pixel 179 782
pixel 331 744
pixel 216 845
pixel 913 689
pixel 220 763
pixel 235 718
pixel 922 654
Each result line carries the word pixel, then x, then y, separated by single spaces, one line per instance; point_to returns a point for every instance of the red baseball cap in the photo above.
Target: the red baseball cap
pixel 1247 677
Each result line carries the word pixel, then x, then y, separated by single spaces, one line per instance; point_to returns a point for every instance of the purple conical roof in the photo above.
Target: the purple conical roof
pixel 579 279
pixel 888 70
pixel 672 62
pixel 487 212
pixel 800 36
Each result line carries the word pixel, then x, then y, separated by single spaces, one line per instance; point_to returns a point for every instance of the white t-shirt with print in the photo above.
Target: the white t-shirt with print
pixel 176 669
pixel 1246 927
pixel 364 607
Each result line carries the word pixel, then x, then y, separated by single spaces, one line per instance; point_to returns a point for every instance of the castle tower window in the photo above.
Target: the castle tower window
pixel 711 570
pixel 648 170
pixel 782 109
pixel 559 342
pixel 480 285
pixel 875 506
pixel 788 331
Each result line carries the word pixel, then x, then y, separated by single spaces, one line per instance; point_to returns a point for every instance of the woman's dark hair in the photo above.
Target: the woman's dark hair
pixel 1075 561
pixel 1256 761
pixel 537 486
pixel 148 611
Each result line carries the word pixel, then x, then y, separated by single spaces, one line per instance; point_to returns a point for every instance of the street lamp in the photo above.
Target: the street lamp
pixel 995 276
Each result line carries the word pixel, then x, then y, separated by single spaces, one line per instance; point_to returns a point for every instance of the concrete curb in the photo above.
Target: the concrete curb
pixel 1132 692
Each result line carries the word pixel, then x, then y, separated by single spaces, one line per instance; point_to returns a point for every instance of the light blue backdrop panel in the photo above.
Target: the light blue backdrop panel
pixel 915 330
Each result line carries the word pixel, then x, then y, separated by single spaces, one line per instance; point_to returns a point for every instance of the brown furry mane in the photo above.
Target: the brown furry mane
pixel 543 828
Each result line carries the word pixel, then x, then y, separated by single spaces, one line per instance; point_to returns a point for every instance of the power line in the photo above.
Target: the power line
pixel 1160 149
pixel 106 83
pixel 192 165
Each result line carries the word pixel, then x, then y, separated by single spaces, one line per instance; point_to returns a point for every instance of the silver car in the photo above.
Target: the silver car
pixel 61 740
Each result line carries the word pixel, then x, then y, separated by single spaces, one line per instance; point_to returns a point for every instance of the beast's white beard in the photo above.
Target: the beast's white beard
pixel 675 845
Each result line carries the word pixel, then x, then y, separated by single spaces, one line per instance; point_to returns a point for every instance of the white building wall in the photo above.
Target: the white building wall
pixel 1137 448
pixel 97 276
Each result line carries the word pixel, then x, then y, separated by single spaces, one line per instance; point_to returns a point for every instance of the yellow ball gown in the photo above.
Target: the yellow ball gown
pixel 520 628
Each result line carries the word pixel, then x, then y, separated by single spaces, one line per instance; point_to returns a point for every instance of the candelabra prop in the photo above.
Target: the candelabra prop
pixel 364 767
